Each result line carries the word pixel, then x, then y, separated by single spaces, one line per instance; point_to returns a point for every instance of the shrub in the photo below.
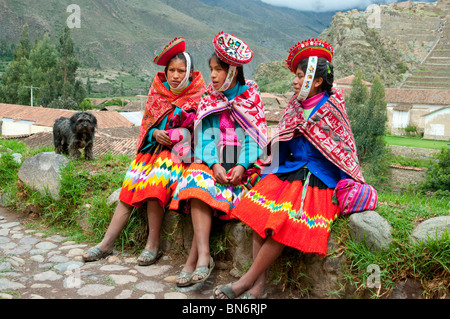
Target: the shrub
pixel 86 105
pixel 438 175
pixel 115 102
pixel 62 103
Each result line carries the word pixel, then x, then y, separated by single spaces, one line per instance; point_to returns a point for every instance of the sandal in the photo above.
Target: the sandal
pixel 226 290
pixel 203 271
pixel 184 275
pixel 248 295
pixel 95 254
pixel 148 257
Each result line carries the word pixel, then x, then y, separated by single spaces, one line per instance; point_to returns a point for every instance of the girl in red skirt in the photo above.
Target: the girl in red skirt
pixel 230 132
pixel 312 150
pixel 163 148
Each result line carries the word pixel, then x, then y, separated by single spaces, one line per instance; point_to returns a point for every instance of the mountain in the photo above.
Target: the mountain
pixel 399 42
pixel 126 34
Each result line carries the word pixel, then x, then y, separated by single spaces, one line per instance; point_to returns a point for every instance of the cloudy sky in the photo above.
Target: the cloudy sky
pixel 329 5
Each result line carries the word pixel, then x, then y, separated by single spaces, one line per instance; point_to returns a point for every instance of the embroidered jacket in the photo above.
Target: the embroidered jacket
pixel 328 130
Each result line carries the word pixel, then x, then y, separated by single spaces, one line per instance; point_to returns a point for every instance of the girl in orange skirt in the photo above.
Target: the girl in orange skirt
pixel 230 132
pixel 312 150
pixel 163 148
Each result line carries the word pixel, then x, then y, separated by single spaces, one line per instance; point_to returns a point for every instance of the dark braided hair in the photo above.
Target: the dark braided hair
pixel 240 69
pixel 324 70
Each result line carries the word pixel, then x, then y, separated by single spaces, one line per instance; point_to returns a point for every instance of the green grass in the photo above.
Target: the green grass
pixel 428 263
pixel 416 142
pixel 87 185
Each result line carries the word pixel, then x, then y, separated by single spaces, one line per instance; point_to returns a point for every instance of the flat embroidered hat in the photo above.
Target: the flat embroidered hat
pixel 177 45
pixel 307 48
pixel 231 49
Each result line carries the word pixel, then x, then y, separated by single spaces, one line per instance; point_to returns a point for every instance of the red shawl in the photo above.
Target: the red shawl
pixel 247 109
pixel 161 101
pixel 328 129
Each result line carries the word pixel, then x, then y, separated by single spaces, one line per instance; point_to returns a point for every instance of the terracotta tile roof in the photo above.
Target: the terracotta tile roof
pixel 412 96
pixel 118 141
pixel 348 81
pixel 117 146
pixel 46 116
pixel 418 96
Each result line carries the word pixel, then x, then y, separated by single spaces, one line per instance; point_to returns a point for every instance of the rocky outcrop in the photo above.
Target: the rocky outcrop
pixel 385 40
pixel 389 41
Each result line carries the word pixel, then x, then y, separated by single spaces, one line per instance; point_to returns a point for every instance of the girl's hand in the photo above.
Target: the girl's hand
pixel 235 176
pixel 220 174
pixel 162 137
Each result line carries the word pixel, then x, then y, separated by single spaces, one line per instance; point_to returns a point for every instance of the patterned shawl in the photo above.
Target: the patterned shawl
pixel 247 109
pixel 328 129
pixel 161 101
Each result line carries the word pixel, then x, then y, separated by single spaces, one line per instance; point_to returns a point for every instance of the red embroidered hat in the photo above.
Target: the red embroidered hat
pixel 176 46
pixel 307 48
pixel 231 49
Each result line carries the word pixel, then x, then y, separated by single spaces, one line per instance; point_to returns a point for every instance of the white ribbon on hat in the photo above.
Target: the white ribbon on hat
pixel 309 78
pixel 230 75
pixel 185 82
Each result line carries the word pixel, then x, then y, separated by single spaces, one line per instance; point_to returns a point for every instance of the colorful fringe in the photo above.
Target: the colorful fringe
pixel 198 182
pixel 299 215
pixel 151 176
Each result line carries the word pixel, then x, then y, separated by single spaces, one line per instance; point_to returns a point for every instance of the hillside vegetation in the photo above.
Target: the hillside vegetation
pixel 125 35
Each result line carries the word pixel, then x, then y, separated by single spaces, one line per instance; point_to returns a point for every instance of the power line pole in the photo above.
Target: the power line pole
pixel 32 87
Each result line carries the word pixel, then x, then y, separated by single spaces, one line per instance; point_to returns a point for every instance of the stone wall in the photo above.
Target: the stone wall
pixel 413 152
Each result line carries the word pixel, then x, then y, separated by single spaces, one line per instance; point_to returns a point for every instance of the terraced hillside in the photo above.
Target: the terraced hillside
pixel 434 71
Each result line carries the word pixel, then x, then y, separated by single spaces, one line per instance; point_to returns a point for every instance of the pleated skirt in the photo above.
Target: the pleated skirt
pixel 296 209
pixel 198 182
pixel 151 176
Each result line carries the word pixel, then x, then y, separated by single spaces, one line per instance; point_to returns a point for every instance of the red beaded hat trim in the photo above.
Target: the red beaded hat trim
pixel 178 45
pixel 307 48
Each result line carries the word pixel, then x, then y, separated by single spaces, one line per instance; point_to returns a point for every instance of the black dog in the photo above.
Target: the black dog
pixel 71 135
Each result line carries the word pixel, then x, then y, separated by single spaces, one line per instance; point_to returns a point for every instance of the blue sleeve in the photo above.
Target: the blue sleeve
pixel 149 139
pixel 250 151
pixel 207 139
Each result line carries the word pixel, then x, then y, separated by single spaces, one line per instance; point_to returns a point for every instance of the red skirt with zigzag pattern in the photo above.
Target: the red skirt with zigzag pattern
pixel 296 208
pixel 151 176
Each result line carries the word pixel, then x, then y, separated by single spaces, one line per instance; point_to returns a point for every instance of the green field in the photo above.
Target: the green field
pixel 416 142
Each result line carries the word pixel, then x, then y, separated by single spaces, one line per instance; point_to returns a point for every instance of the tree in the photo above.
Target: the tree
pixel 43 61
pixel 359 92
pixel 17 75
pixel 24 47
pixel 368 116
pixel 68 63
pixel 52 69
